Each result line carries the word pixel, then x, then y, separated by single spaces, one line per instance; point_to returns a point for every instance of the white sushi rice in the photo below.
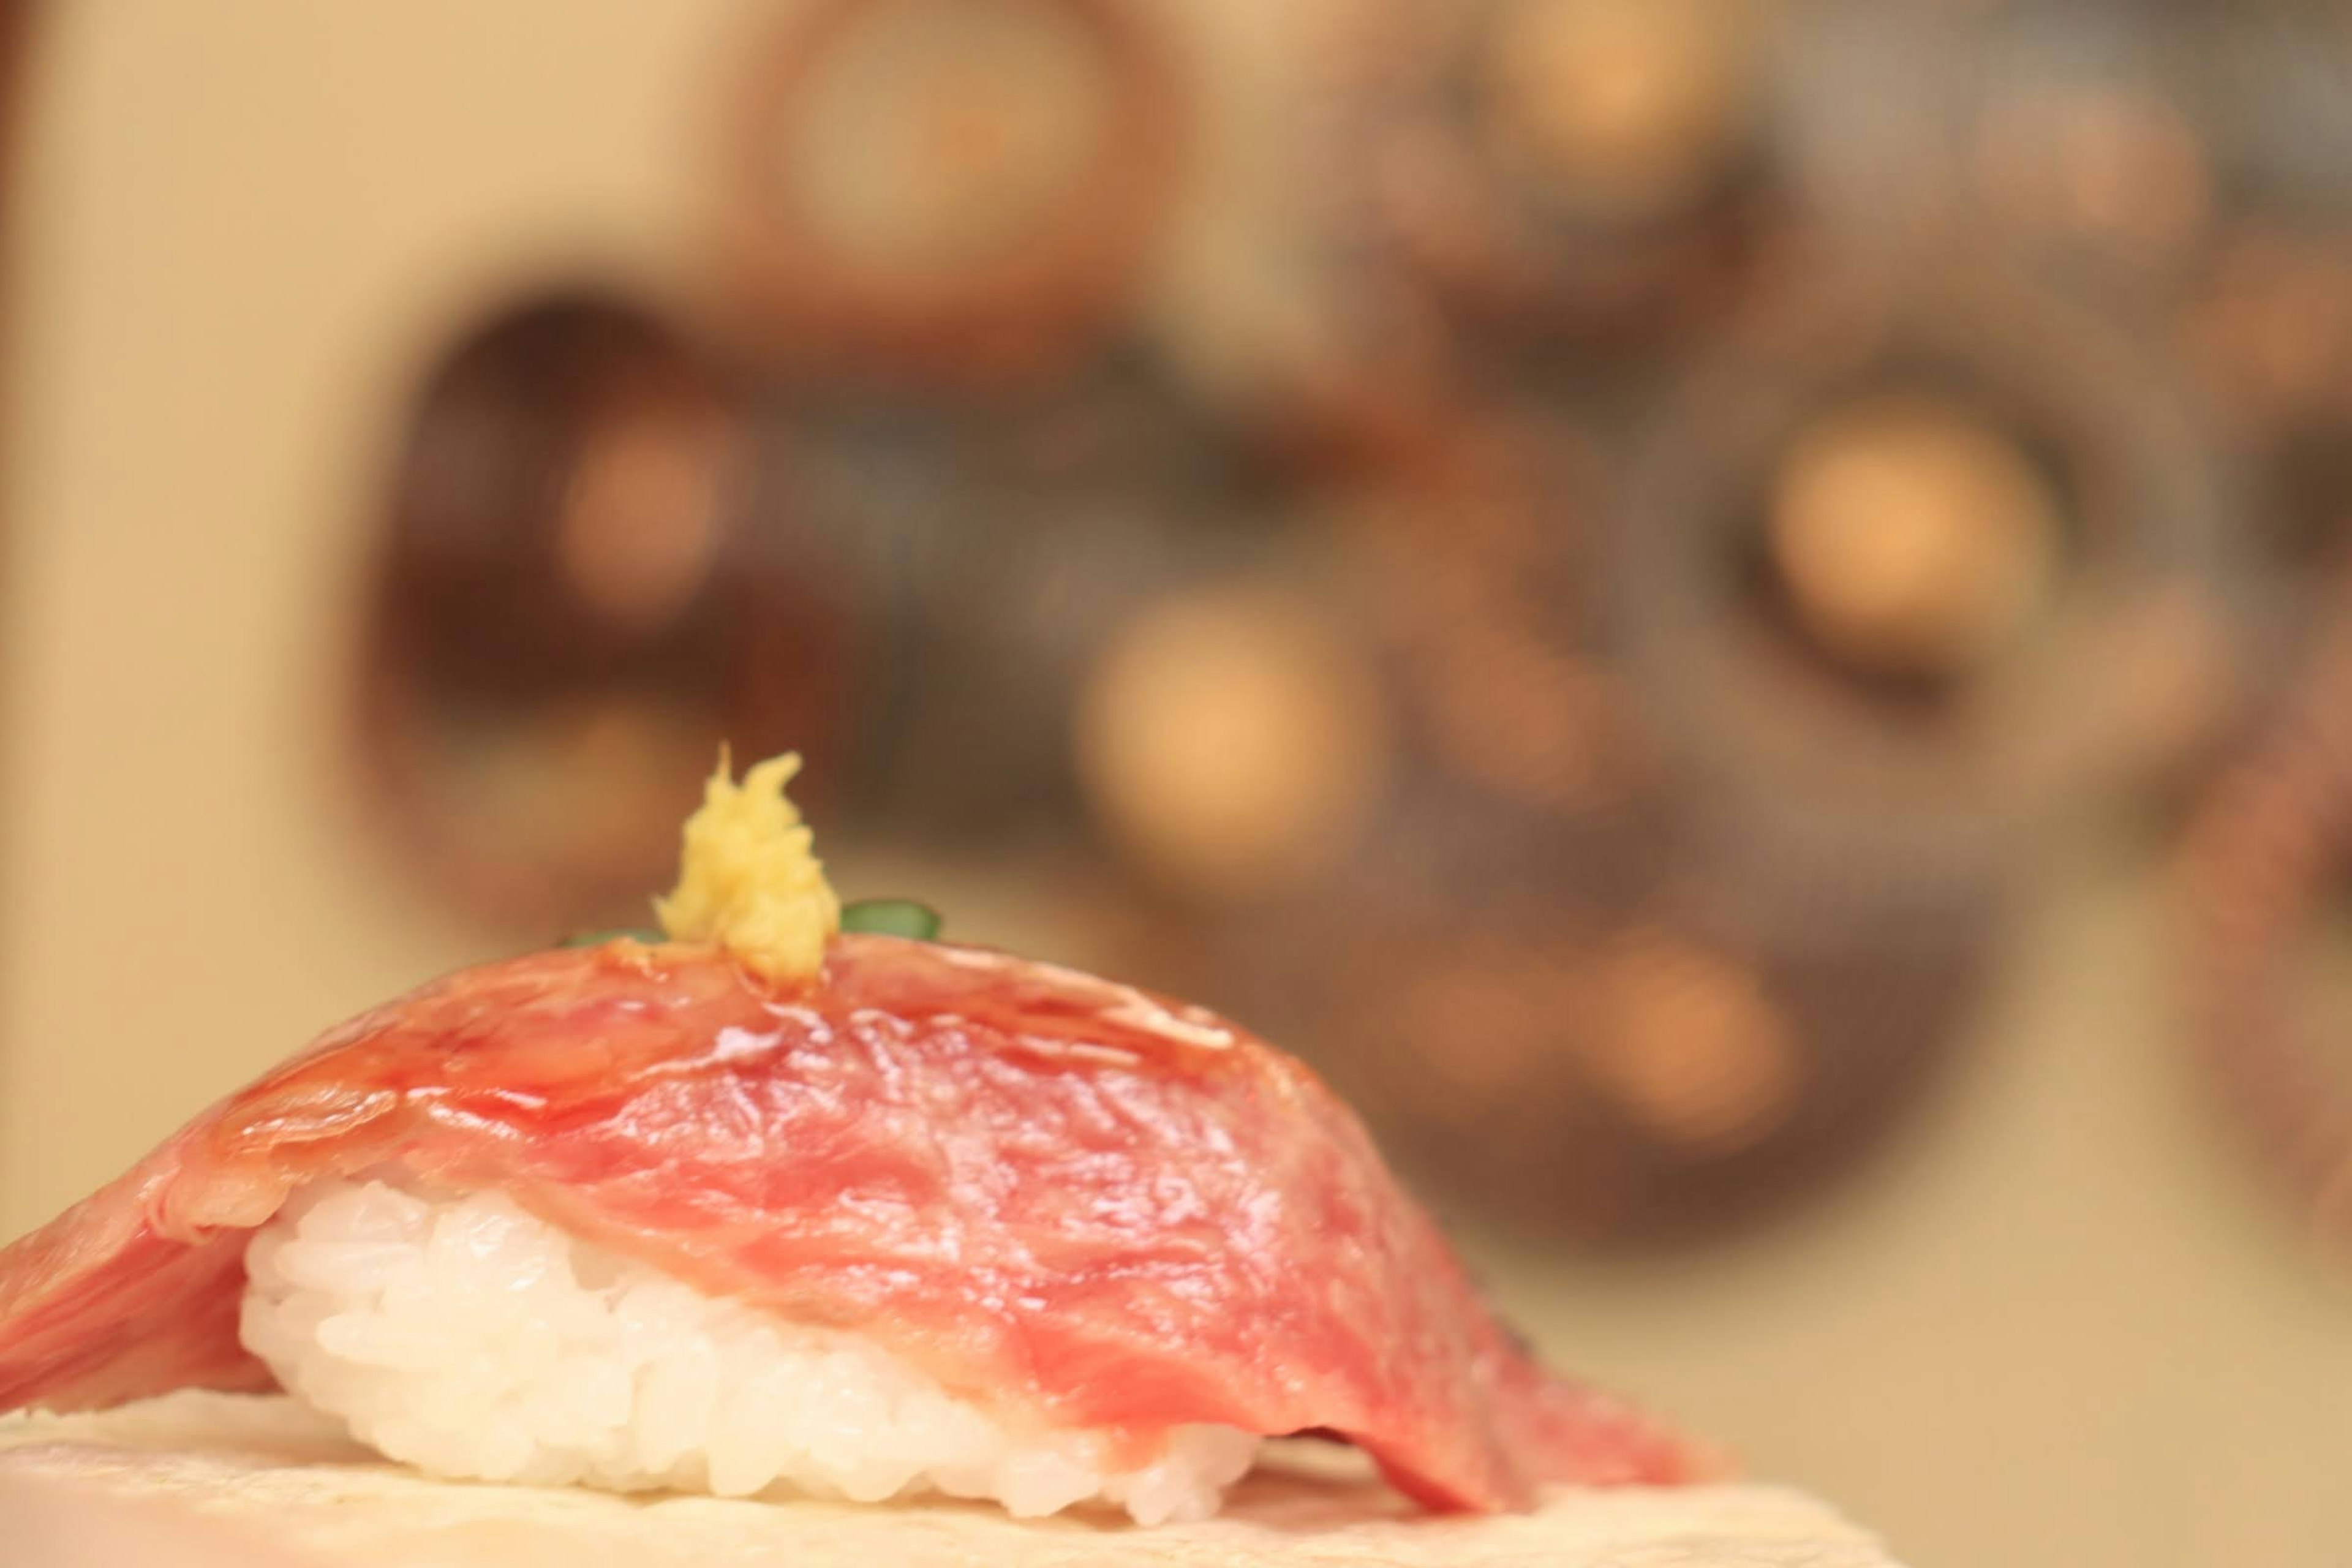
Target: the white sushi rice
pixel 469 1338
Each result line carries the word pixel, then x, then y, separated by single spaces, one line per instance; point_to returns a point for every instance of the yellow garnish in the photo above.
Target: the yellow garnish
pixel 746 878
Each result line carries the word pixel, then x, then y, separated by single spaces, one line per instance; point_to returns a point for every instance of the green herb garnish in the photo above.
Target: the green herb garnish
pixel 891 917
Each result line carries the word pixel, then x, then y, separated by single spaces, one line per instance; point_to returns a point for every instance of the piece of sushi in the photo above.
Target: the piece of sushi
pixel 767 1207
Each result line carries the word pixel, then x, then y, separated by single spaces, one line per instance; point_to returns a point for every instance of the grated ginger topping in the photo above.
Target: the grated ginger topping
pixel 746 878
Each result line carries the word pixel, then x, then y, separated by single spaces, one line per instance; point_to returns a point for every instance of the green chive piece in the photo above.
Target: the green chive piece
pixel 618 933
pixel 892 917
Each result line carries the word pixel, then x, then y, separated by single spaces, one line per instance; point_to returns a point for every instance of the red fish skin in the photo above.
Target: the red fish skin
pixel 1052 1193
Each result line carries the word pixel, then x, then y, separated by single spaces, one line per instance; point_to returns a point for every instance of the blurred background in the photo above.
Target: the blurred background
pixel 1730 611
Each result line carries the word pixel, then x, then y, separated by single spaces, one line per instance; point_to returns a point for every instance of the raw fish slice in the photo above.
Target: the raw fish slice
pixel 1049 1192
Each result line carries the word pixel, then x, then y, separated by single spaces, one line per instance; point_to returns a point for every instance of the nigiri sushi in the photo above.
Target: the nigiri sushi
pixel 756 1204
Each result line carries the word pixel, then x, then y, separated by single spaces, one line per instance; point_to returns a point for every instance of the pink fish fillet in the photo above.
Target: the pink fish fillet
pixel 1050 1192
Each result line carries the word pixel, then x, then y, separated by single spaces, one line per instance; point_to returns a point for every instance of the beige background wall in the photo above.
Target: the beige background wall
pixel 2060 1326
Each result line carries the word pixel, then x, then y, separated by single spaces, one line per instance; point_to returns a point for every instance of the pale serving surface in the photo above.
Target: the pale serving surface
pixel 262 1484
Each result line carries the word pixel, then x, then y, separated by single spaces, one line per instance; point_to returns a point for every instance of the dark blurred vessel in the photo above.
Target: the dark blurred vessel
pixel 966 189
pixel 569 610
pixel 2260 937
